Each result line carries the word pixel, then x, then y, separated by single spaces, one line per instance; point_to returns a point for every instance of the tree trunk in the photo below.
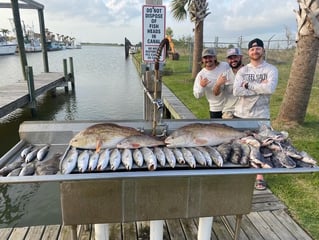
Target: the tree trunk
pixel 294 106
pixel 198 48
pixel 296 98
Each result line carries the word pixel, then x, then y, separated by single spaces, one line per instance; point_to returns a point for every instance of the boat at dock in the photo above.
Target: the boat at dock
pixel 54 46
pixel 6 47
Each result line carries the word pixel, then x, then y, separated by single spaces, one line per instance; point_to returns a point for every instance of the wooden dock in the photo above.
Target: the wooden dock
pixel 268 220
pixel 17 95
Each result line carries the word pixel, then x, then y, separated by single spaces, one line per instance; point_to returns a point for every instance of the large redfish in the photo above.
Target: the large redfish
pixel 102 135
pixel 202 134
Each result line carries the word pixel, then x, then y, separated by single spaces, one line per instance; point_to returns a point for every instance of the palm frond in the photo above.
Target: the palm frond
pixel 178 9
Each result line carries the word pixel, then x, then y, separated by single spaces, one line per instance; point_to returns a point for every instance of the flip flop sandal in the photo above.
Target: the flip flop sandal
pixel 260 185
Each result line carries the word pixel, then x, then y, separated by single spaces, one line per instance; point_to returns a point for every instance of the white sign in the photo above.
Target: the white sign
pixel 154 20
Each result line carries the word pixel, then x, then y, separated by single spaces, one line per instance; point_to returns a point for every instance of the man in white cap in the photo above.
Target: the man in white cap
pixel 206 79
pixel 254 84
pixel 225 82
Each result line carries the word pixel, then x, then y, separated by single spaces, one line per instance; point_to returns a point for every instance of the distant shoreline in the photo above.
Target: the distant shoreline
pixel 102 44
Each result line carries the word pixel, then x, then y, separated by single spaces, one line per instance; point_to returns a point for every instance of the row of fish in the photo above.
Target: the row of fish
pixel 151 158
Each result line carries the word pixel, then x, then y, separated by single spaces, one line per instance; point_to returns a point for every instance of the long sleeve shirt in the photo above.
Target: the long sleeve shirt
pixel 253 101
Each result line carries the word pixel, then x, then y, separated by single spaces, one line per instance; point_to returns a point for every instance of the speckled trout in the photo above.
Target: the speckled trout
pixel 202 134
pixel 102 135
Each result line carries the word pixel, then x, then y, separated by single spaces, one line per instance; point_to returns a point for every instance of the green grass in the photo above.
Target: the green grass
pixel 300 192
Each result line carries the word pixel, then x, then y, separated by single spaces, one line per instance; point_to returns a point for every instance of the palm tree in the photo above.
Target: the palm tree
pixel 197 10
pixel 294 106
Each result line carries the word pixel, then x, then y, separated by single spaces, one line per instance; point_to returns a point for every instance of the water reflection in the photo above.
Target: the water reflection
pixel 11 207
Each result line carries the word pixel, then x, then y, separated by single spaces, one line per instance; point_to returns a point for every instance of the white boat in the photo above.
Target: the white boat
pixel 7 48
pixel 54 46
pixel 33 45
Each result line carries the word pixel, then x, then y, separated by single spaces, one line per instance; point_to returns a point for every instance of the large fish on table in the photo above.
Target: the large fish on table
pixel 102 135
pixel 201 134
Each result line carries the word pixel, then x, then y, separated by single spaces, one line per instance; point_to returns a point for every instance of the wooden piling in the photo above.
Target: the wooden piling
pixel 71 75
pixel 30 80
pixel 66 76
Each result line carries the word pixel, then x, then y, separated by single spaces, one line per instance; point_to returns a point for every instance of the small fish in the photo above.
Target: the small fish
pixel 115 159
pixel 83 161
pixel 189 158
pixel 49 166
pixel 15 172
pixel 179 156
pixel 225 151
pixel 215 156
pixel 285 160
pixel 245 149
pixel 203 150
pixel 31 155
pixel 104 159
pixel 28 169
pixel 26 150
pixel 199 157
pixel 70 161
pixel 94 157
pixel 138 141
pixel 149 158
pixel 265 151
pixel 251 141
pixel 267 131
pixel 170 157
pixel 307 158
pixel 256 158
pixel 160 156
pixel 236 153
pixel 11 166
pixel 138 157
pixel 43 151
pixel 127 158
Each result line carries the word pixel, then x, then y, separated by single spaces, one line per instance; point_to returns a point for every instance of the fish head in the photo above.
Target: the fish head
pixel 81 141
pixel 176 141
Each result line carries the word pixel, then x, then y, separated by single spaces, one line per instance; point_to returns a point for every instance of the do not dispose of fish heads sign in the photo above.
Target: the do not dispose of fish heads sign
pixel 154 21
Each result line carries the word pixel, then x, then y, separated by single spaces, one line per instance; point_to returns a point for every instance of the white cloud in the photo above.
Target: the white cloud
pixel 112 20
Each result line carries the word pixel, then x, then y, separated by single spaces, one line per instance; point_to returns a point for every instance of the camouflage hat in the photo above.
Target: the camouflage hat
pixel 233 52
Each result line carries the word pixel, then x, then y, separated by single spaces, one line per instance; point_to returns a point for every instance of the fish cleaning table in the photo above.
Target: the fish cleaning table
pixel 127 196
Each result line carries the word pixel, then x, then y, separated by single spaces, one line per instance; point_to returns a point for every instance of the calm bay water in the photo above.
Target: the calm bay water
pixel 107 86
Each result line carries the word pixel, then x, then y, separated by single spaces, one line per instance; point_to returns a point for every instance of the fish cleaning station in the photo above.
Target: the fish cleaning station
pixel 119 190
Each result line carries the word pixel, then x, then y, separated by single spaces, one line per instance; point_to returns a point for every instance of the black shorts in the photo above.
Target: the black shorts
pixel 215 114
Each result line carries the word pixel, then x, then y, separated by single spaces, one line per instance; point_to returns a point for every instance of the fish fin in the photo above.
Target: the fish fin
pixel 98 146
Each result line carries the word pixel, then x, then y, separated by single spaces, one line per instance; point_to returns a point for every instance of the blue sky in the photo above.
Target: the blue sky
pixel 112 20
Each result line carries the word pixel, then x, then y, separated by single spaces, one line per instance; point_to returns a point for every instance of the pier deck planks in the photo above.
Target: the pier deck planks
pixel 262 223
pixel 16 95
